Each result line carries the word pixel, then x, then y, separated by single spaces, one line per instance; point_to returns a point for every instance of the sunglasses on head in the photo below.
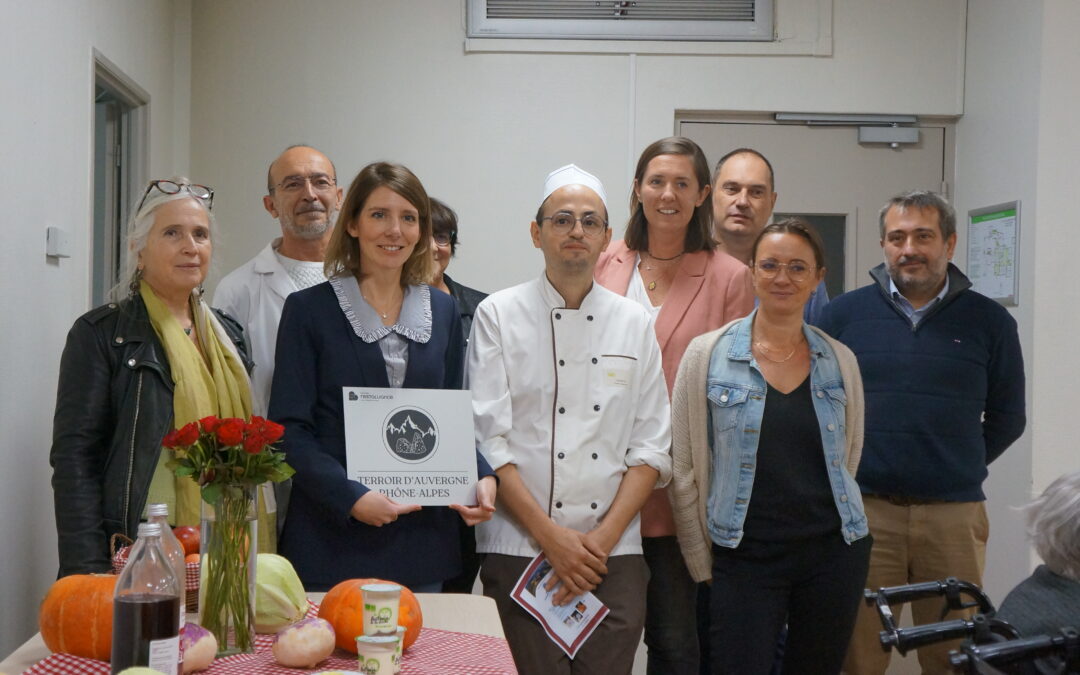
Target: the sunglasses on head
pixel 171 187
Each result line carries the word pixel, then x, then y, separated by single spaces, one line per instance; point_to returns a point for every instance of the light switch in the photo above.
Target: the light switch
pixel 57 243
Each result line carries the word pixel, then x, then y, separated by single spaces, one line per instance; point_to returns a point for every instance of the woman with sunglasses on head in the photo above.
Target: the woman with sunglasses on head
pixel 767 425
pixel 135 369
pixel 375 323
pixel 669 262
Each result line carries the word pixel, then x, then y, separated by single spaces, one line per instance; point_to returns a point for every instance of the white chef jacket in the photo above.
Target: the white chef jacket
pixel 572 397
pixel 254 294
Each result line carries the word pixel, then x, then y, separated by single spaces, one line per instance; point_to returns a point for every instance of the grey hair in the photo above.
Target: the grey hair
pixel 1054 525
pixel 922 199
pixel 138 230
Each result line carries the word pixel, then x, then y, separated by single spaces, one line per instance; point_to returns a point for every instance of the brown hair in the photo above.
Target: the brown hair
pixel 798 227
pixel 343 251
pixel 699 230
pixel 444 220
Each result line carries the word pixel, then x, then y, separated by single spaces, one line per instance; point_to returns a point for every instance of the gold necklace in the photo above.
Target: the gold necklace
pixel 765 350
pixel 648 268
pixel 371 304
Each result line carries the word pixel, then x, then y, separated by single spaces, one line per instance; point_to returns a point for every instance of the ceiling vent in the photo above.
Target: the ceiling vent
pixel 682 20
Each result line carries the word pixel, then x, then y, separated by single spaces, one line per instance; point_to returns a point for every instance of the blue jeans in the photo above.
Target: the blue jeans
pixel 670 617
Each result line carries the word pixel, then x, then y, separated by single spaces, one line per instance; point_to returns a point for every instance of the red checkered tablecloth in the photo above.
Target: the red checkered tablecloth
pixel 435 652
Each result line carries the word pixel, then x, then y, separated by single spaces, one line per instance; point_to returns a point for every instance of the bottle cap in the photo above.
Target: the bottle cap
pixel 157 510
pixel 149 530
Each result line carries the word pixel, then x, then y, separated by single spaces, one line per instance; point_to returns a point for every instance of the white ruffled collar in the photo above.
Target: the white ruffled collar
pixel 414 320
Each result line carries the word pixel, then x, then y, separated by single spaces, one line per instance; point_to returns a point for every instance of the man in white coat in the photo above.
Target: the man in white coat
pixel 303 195
pixel 571 410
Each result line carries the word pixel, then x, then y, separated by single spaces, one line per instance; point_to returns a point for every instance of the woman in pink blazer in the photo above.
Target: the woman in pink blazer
pixel 669 262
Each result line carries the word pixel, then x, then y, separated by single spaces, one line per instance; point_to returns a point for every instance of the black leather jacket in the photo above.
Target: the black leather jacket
pixel 114 404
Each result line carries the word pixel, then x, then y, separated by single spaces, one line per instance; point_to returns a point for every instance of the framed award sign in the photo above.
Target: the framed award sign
pixel 416 446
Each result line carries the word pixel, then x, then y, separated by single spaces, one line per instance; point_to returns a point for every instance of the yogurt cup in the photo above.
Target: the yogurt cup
pixel 400 647
pixel 375 654
pixel 381 602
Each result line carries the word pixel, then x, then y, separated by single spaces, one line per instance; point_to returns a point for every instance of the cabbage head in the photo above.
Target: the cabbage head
pixel 279 596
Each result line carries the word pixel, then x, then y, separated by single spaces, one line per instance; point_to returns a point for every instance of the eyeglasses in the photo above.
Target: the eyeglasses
pixel 443 238
pixel 563 222
pixel 796 271
pixel 320 182
pixel 170 188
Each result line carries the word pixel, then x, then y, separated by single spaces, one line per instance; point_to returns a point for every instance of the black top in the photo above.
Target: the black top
pixel 467 299
pixel 791 498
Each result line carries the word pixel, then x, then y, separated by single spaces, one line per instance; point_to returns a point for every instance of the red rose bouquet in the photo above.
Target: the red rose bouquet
pixel 228 458
pixel 227 451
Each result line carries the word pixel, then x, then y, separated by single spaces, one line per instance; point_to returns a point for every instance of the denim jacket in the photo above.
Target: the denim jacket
pixel 736 401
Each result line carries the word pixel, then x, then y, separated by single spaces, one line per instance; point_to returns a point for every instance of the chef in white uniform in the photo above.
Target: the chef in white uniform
pixel 572 412
pixel 303 195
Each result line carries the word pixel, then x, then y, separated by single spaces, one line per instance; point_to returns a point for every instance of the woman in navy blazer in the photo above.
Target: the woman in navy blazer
pixel 375 323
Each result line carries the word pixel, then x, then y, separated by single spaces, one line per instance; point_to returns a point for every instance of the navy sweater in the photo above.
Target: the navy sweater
pixel 943 399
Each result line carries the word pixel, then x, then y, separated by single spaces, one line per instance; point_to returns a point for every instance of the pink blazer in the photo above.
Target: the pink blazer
pixel 710 289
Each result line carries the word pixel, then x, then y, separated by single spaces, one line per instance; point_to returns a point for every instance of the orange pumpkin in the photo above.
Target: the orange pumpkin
pixel 76 615
pixel 343 607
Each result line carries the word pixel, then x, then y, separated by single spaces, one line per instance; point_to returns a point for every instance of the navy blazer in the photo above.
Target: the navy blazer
pixel 318 353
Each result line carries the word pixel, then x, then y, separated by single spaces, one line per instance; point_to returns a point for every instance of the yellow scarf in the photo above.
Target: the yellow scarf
pixel 212 382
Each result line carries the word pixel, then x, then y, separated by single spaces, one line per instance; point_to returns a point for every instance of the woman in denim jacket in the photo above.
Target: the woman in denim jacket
pixel 767 422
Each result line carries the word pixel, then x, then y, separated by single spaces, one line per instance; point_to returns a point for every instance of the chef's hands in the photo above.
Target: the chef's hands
pixel 602 539
pixel 375 508
pixel 579 563
pixel 485 502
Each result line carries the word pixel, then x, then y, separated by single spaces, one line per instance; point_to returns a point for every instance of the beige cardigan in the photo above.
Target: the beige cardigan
pixel 689 489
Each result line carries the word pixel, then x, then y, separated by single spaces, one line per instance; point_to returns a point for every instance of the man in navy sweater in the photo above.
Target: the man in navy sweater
pixel 944 381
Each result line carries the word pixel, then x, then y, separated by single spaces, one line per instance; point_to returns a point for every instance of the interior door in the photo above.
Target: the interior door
pixel 824 173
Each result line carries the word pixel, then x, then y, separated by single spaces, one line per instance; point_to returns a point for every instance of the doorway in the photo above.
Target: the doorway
pixel 825 175
pixel 121 109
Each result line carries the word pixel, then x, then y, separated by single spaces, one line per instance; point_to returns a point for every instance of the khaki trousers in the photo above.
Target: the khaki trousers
pixel 912 544
pixel 608 651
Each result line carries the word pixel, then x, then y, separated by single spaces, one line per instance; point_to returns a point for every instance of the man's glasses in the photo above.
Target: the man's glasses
pixel 171 187
pixel 563 222
pixel 443 238
pixel 320 182
pixel 796 271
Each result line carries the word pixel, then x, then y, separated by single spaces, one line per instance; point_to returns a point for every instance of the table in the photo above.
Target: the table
pixel 443 611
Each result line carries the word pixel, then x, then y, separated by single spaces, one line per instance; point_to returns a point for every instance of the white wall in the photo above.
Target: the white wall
pixel 1017 140
pixel 368 80
pixel 996 160
pixel 46 179
pixel 1057 293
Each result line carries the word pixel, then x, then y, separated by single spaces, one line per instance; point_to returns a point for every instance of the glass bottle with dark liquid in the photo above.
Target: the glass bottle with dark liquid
pixel 146 608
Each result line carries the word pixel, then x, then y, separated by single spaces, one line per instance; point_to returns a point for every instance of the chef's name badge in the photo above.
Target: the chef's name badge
pixel 416 446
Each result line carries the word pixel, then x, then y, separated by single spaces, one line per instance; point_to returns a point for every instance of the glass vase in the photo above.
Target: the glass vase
pixel 227 574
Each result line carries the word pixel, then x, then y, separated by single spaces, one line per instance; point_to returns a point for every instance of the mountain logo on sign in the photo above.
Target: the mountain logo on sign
pixel 410 434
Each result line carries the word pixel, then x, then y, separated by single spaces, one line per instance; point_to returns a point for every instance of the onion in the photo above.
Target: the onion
pixel 198 645
pixel 304 644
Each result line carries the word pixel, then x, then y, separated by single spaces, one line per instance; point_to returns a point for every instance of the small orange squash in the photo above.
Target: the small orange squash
pixel 76 615
pixel 343 607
